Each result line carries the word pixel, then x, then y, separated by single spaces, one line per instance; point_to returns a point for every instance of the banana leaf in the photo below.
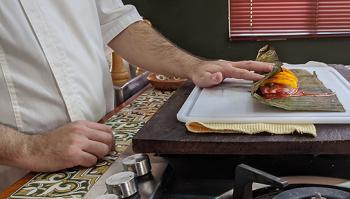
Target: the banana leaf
pixel 317 97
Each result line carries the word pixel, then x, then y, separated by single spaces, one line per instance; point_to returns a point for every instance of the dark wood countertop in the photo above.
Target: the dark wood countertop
pixel 163 134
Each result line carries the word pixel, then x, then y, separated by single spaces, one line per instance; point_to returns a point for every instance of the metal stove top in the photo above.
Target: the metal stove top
pixel 215 177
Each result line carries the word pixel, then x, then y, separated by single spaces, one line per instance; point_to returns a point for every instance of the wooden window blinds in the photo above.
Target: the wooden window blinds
pixel 269 19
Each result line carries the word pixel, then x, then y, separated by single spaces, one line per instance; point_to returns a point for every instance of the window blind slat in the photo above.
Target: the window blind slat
pixel 271 18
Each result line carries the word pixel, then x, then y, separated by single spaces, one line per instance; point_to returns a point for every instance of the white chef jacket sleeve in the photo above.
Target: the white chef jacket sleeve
pixel 115 17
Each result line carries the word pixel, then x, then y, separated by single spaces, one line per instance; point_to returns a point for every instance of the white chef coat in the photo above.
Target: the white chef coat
pixel 53 66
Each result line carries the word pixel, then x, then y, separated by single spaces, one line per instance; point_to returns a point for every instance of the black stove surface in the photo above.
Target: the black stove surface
pixel 283 165
pixel 215 177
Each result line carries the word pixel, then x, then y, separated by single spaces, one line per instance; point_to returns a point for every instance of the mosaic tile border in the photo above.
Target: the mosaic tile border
pixel 76 182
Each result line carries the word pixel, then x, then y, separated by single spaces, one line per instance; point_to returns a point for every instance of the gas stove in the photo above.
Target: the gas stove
pixel 231 177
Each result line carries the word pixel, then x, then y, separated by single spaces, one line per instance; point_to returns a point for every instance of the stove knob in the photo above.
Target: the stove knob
pixel 108 196
pixel 138 163
pixel 122 184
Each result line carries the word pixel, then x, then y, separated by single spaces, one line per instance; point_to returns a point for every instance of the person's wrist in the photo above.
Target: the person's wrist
pixel 23 156
pixel 192 67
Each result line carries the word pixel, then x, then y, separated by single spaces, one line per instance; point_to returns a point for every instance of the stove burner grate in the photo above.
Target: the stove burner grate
pixel 313 193
pixel 279 189
pixel 302 192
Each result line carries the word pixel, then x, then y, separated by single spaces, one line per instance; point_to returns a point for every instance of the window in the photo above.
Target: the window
pixel 272 19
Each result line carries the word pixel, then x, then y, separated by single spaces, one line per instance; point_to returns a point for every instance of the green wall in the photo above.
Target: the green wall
pixel 201 27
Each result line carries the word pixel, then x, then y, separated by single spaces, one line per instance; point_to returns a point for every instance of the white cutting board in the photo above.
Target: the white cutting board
pixel 231 102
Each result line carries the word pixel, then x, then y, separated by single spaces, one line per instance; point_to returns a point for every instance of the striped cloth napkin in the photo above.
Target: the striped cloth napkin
pixel 279 129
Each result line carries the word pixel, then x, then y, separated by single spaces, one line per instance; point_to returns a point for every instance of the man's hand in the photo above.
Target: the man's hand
pixel 211 73
pixel 79 143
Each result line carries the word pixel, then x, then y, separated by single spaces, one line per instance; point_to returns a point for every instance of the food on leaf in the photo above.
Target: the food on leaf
pixel 292 89
pixel 282 84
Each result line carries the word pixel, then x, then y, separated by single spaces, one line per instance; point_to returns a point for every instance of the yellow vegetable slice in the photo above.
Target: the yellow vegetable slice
pixel 285 77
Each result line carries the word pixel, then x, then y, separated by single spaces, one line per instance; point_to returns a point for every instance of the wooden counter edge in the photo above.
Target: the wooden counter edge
pixel 14 187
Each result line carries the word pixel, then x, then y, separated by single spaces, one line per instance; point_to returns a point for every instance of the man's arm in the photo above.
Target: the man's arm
pixel 12 145
pixel 78 143
pixel 141 45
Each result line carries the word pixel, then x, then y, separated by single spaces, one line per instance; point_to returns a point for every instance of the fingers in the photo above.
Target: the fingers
pixel 101 133
pixel 211 79
pixel 100 136
pixel 253 66
pixel 208 79
pixel 87 159
pixel 97 132
pixel 96 148
pixel 245 69
pixel 98 126
pixel 242 74
pixel 216 78
pixel 77 143
pixel 213 73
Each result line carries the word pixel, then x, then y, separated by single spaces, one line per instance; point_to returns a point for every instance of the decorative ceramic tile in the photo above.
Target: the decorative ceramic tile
pixel 76 182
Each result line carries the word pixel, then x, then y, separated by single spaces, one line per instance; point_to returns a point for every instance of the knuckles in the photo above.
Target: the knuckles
pixel 249 63
pixel 77 127
pixel 73 156
pixel 72 152
pixel 74 139
pixel 103 151
pixel 88 162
